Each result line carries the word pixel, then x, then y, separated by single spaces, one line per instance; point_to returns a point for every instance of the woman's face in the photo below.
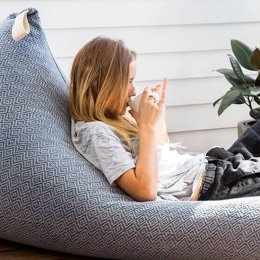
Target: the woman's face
pixel 131 88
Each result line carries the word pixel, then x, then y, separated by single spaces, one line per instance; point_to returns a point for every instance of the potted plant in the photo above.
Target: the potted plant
pixel 244 88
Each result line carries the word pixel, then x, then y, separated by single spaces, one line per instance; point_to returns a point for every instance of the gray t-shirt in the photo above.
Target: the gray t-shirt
pixel 100 144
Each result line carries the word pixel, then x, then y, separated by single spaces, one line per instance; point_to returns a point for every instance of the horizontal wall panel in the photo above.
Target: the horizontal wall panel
pixel 201 117
pixel 104 13
pixel 172 65
pixel 158 38
pixel 202 141
pixel 190 91
pixel 184 40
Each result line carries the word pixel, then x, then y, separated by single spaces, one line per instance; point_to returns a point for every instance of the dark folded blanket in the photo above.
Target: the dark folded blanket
pixel 248 145
pixel 234 172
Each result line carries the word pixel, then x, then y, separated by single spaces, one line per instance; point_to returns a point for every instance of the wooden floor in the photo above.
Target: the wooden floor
pixel 14 251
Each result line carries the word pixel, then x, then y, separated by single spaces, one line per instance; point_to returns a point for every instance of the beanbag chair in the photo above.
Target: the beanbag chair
pixel 51 197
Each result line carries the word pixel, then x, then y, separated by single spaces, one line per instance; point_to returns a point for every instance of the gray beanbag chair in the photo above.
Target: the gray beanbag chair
pixel 51 197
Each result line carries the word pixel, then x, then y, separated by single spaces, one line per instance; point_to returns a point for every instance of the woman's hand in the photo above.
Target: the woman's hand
pixel 151 114
pixel 141 182
pixel 162 134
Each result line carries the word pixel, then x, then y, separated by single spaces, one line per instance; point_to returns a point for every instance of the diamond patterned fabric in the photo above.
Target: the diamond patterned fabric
pixel 51 197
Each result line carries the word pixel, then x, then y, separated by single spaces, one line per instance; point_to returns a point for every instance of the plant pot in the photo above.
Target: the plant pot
pixel 242 126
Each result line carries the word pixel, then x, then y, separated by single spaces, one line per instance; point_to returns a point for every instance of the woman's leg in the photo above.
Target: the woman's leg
pixel 234 172
pixel 196 194
pixel 220 183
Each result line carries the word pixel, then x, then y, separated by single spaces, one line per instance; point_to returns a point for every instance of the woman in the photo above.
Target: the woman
pixel 133 151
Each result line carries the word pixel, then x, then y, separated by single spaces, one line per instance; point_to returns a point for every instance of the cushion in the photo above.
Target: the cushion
pixel 51 197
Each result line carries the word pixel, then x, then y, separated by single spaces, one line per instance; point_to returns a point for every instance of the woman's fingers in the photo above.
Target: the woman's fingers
pixel 159 89
pixel 156 88
pixel 165 82
pixel 145 94
pixel 163 92
pixel 133 114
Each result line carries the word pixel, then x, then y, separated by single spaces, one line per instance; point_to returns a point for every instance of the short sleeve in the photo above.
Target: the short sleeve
pixel 104 150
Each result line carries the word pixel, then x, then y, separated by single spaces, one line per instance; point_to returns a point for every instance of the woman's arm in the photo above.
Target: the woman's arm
pixel 141 182
pixel 161 133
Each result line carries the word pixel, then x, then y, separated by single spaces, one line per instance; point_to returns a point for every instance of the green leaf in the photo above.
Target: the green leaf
pixel 255 59
pixel 234 80
pixel 215 103
pixel 249 80
pixel 255 113
pixel 255 91
pixel 227 72
pixel 236 68
pixel 243 54
pixel 257 100
pixel 228 99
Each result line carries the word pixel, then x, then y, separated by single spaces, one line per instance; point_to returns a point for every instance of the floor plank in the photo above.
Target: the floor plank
pixel 15 251
pixel 9 246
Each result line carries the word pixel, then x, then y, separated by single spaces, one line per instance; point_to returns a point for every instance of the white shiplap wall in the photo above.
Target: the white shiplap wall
pixel 185 40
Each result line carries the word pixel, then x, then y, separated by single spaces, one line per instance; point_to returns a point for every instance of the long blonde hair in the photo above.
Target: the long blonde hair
pixel 99 84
